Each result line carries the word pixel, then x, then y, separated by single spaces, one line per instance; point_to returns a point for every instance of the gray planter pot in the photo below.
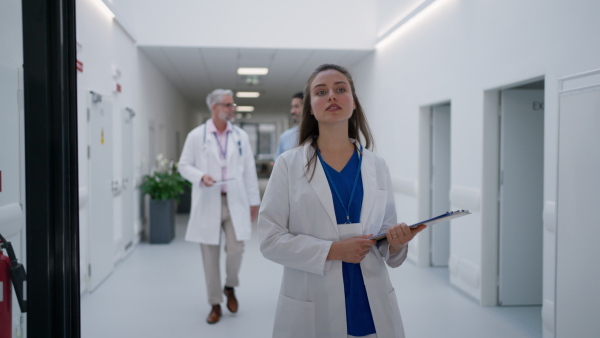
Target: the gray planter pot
pixel 162 221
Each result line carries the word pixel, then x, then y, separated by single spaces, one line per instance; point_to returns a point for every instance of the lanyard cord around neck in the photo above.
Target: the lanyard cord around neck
pixel 346 209
pixel 223 150
pixel 239 142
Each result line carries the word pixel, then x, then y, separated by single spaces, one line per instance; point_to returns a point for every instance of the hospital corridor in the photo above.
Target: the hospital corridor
pixel 217 168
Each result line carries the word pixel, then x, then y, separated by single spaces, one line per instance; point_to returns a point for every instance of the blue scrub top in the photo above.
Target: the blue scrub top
pixel 358 312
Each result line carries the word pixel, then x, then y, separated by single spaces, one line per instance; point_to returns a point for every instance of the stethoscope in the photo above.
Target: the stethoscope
pixel 239 141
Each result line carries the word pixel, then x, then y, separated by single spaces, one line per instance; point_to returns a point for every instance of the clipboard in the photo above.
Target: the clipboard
pixel 218 183
pixel 437 219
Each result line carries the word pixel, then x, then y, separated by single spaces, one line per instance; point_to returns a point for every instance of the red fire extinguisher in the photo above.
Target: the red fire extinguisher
pixel 11 272
pixel 5 297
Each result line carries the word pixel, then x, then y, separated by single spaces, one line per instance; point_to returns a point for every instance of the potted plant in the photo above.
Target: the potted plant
pixel 164 185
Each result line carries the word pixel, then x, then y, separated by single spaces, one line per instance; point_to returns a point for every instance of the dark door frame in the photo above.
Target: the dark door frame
pixel 51 168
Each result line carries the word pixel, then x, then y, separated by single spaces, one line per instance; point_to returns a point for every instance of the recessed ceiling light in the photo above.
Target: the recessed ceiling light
pixel 252 71
pixel 245 108
pixel 247 94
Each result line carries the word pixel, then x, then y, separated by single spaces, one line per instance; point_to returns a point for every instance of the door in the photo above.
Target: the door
pixel 521 197
pixel 101 240
pixel 577 251
pixel 440 183
pixel 151 146
pixel 128 186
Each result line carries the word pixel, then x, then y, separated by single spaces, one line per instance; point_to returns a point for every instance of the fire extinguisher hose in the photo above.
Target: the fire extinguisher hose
pixel 18 275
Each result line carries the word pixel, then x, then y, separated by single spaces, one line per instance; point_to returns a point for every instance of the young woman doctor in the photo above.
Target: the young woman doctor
pixel 324 199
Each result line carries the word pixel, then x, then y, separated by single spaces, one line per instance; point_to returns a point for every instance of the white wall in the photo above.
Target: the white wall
pixel 311 24
pixel 456 51
pixel 104 47
pixel 12 194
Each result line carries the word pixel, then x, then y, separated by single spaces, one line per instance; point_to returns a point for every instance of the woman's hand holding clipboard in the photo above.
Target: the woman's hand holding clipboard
pixel 438 219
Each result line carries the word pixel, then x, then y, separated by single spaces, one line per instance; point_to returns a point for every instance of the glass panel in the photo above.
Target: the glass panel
pixel 12 189
pixel 252 130
pixel 266 141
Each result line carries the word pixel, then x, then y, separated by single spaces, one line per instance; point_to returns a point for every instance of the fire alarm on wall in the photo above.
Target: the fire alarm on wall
pixel 117 88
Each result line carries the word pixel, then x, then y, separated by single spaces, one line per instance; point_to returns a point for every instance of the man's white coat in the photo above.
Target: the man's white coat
pixel 200 156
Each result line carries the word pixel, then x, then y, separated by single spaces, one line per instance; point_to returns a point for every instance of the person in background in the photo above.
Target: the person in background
pixel 323 202
pixel 217 159
pixel 289 138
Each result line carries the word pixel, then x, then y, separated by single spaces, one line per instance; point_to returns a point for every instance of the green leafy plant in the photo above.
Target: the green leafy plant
pixel 164 182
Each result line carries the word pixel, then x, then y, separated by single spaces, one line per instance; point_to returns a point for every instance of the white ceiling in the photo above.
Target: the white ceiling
pixel 196 71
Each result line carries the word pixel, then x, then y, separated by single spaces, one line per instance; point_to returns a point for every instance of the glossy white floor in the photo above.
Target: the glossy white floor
pixel 158 292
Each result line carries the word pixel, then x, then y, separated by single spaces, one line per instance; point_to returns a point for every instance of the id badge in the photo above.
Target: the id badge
pixel 348 230
pixel 223 162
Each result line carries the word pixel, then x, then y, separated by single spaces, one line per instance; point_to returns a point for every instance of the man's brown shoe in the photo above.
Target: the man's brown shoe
pixel 214 315
pixel 232 303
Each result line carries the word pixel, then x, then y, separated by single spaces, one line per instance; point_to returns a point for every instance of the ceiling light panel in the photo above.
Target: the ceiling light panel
pixel 245 108
pixel 253 71
pixel 247 94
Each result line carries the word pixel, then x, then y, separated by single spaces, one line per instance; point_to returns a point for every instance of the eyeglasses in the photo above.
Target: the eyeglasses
pixel 228 105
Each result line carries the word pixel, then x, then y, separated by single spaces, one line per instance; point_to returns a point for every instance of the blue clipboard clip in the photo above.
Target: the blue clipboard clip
pixel 437 219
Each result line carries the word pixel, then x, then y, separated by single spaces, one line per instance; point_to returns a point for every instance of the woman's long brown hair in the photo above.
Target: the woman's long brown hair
pixel 358 127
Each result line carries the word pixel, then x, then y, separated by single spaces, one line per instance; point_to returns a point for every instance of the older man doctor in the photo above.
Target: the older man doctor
pixel 217 158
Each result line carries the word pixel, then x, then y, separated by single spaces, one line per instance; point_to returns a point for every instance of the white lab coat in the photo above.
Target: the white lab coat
pixel 201 156
pixel 297 226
